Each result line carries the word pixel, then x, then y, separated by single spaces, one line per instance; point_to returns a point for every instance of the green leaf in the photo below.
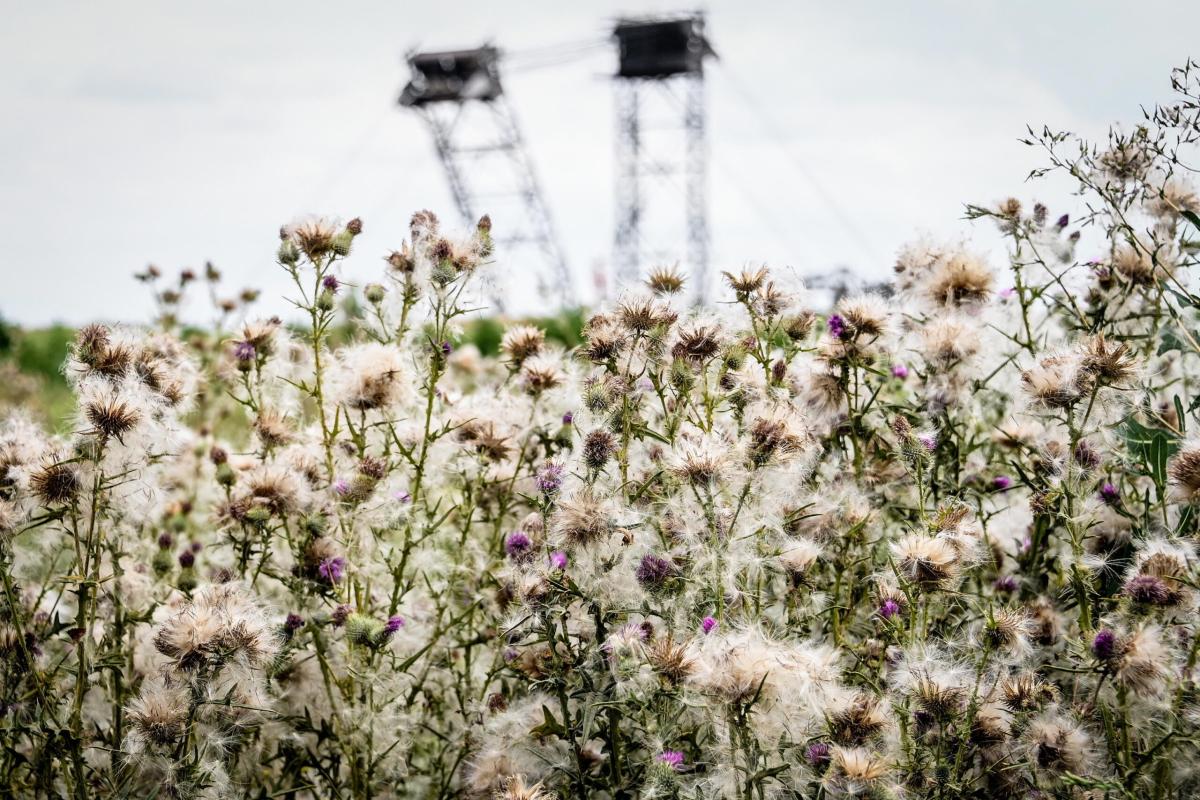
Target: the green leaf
pixel 1153 447
pixel 1185 301
pixel 1169 342
pixel 642 430
pixel 549 727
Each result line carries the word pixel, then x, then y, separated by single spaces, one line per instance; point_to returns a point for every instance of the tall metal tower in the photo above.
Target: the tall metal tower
pixel 459 95
pixel 659 97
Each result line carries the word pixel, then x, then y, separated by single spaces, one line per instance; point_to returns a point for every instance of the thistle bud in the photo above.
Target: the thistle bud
pixel 483 232
pixel 374 292
pixel 341 243
pixel 162 563
pixel 363 630
pixel 225 474
pixel 288 253
pixel 663 772
pixel 258 515
pixel 187 580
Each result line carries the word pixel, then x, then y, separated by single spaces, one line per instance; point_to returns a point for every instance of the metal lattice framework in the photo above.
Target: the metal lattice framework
pixel 842 281
pixel 660 76
pixel 461 99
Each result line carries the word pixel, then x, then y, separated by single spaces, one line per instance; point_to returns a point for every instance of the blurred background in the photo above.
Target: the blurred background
pixel 143 132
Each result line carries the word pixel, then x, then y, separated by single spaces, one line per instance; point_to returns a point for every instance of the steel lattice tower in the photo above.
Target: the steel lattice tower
pixel 459 95
pixel 660 94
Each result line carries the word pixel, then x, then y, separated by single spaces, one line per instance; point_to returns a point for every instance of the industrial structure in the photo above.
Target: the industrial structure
pixel 460 96
pixel 661 154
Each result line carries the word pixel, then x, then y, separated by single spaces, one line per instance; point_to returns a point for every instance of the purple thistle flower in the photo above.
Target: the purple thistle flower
pixel 550 477
pixel 707 625
pixel 293 623
pixel 187 559
pixel 889 608
pixel 558 560
pixel 1104 645
pixel 340 614
pixel 672 758
pixel 1063 221
pixel 1110 494
pixel 243 351
pixel 394 623
pixel 653 571
pixel 837 326
pixel 341 486
pixel 518 546
pixel 642 630
pixel 331 284
pixel 817 754
pixel 447 348
pixel 1001 483
pixel 332 569
pixel 899 371
pixel 165 540
pixel 1006 584
pixel 197 547
pixel 403 496
pixel 928 441
pixel 568 418
pixel 1149 590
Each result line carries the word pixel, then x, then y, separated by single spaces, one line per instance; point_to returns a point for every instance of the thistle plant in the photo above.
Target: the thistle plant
pixel 936 542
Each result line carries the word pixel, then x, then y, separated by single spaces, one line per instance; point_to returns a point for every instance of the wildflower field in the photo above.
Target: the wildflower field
pixel 938 543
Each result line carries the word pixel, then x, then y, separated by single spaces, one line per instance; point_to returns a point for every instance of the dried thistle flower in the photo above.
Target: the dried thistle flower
pixel 583 519
pixel 748 280
pixel 1184 469
pixel 859 722
pixel 112 417
pixel 671 660
pixel 521 342
pixel 665 280
pixel 1107 365
pixel 56 483
pixel 929 563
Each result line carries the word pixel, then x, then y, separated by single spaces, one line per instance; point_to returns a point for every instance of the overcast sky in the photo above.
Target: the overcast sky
pixel 171 133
